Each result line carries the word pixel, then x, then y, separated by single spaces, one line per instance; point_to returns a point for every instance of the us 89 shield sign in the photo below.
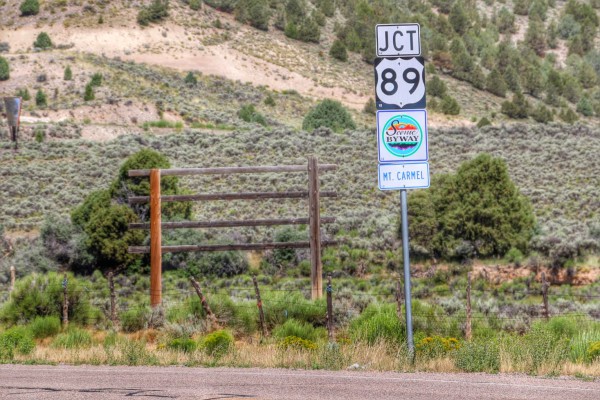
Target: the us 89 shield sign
pixel 400 83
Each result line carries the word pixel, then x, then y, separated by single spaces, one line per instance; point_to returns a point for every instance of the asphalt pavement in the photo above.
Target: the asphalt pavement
pixel 108 383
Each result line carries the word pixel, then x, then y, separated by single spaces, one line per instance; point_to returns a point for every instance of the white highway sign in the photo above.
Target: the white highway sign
pixel 400 83
pixel 403 176
pixel 402 135
pixel 398 40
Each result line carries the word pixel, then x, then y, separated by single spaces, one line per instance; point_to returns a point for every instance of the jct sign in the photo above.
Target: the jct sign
pixel 398 40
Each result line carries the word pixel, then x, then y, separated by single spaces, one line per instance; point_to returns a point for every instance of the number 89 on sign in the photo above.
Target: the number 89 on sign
pixel 400 83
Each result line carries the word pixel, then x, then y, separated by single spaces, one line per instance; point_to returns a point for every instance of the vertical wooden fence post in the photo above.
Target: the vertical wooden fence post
pixel 468 333
pixel 155 240
pixel 209 314
pixel 12 278
pixel 113 298
pixel 315 229
pixel 65 308
pixel 545 286
pixel 399 295
pixel 329 309
pixel 261 314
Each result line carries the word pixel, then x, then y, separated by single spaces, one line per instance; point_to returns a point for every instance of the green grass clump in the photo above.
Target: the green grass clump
pixel 183 344
pixel 163 124
pixel 298 329
pixel 73 338
pixel 479 356
pixel 43 327
pixel 217 344
pixel 376 323
pixel 593 352
pixel 280 306
pixel 17 339
pixel 135 319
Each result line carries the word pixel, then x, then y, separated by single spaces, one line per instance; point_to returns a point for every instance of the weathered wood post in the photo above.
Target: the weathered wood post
pixel 261 313
pixel 113 298
pixel 329 308
pixel 12 278
pixel 468 334
pixel 205 306
pixel 155 240
pixel 399 295
pixel 316 271
pixel 65 306
pixel 545 286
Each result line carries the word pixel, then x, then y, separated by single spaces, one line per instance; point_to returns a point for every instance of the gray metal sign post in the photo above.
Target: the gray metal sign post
pixel 406 258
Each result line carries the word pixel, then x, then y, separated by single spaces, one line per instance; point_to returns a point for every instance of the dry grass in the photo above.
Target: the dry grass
pixel 378 357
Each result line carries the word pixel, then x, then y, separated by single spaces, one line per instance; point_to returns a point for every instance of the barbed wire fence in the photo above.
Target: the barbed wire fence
pixel 241 305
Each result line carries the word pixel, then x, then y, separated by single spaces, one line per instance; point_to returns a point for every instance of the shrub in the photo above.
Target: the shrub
pixel 96 79
pixel 183 344
pixel 436 346
pixel 253 12
pixel 249 114
pixel 24 94
pixel 17 339
pixel 593 352
pixel 43 327
pixel 436 87
pixel 30 7
pixel 190 79
pixel 518 108
pixel 449 106
pixel 195 4
pixel 330 114
pixel 218 343
pixel 154 12
pixel 294 342
pixel 514 256
pixel 4 69
pixel 483 122
pixel 135 319
pixel 338 50
pixel 542 114
pixel 89 93
pixel 377 323
pixel 479 356
pixel 269 101
pixel 73 338
pixel 299 329
pixel 42 295
pixel 40 99
pixel 68 74
pixel 370 107
pixel 43 41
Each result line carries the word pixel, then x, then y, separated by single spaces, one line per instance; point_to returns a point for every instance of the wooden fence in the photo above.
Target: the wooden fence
pixel 314 220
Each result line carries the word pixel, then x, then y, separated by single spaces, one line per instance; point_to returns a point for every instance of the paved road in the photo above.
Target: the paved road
pixel 108 383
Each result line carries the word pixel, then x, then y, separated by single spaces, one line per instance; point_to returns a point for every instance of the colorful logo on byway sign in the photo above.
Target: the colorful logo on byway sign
pixel 402 135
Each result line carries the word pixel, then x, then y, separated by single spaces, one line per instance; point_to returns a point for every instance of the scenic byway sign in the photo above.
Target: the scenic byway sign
pixel 402 135
pixel 403 176
pixel 400 83
pixel 398 40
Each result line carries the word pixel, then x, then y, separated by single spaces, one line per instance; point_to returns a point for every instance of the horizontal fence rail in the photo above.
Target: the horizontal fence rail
pixel 230 196
pixel 230 247
pixel 231 170
pixel 231 224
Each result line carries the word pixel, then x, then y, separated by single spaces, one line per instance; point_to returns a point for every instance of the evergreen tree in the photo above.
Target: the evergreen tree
pixel 338 50
pixel 458 18
pixel 495 83
pixel 535 37
pixel 30 7
pixel 68 74
pixel 256 13
pixel 436 87
pixel 43 41
pixel 190 79
pixel 40 99
pixel 4 69
pixel 89 93
pixel 330 114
